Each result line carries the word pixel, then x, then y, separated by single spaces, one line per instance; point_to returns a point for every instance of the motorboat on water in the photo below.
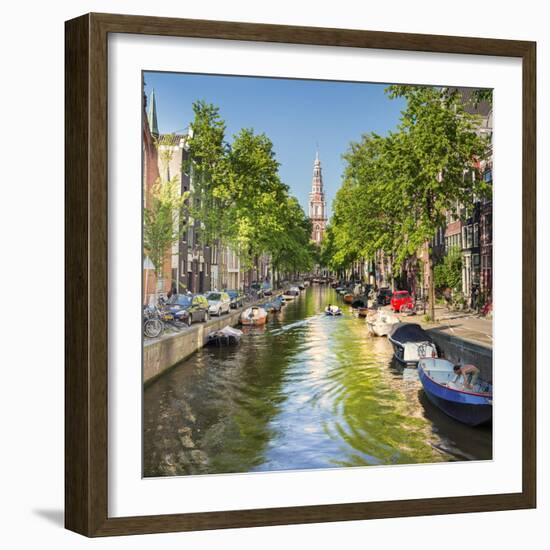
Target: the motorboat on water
pixel 333 310
pixel 411 343
pixel 254 315
pixel 348 298
pixel 473 406
pixel 381 323
pixel 226 336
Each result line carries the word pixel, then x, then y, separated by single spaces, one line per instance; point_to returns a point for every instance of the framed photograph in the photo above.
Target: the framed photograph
pixel 299 275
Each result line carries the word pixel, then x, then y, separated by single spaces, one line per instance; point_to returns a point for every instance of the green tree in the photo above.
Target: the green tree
pixel 239 197
pixel 256 191
pixel 449 272
pixel 163 220
pixel 434 167
pixel 208 163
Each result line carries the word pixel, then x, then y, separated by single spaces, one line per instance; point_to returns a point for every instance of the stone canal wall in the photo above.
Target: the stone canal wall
pixel 162 354
pixel 459 350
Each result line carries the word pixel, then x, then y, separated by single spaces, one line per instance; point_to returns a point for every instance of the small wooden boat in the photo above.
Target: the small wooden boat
pixel 470 406
pixel 411 343
pixel 292 292
pixel 362 311
pixel 360 301
pixel 381 323
pixel 348 298
pixel 226 336
pixel 333 310
pixel 254 315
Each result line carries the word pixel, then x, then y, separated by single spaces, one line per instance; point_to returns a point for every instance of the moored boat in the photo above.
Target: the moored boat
pixel 411 343
pixel 362 311
pixel 348 298
pixel 254 315
pixel 359 301
pixel 272 307
pixel 470 406
pixel 381 323
pixel 226 336
pixel 293 291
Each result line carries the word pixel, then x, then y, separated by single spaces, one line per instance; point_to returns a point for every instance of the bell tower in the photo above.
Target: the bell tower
pixel 317 204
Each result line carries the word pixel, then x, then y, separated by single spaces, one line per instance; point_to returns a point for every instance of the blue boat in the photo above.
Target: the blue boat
pixel 472 407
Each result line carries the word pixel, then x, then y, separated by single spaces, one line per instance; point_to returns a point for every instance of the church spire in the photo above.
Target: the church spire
pixel 152 115
pixel 317 204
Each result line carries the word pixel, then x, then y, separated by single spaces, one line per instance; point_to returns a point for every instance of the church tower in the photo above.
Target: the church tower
pixel 152 116
pixel 317 204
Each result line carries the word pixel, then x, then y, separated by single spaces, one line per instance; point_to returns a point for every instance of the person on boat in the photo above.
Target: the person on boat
pixel 469 373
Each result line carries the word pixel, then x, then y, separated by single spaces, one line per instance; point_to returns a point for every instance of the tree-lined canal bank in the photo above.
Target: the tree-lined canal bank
pixel 305 391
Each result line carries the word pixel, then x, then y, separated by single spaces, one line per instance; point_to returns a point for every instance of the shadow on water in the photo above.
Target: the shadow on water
pixel 457 439
pixel 305 391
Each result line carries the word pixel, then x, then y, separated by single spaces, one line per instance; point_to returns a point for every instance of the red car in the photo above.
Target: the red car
pixel 401 300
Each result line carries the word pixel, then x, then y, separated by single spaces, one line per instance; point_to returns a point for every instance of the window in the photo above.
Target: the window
pixel 468 236
pixel 476 234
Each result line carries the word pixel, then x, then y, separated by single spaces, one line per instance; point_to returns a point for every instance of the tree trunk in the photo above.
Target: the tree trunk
pixel 431 285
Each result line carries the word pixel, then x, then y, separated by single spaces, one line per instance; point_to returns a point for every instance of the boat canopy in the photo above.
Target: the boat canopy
pixel 409 332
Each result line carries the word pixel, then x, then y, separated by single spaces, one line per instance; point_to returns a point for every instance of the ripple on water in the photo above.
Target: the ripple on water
pixel 306 391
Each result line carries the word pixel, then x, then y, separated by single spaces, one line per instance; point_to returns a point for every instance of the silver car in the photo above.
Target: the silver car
pixel 218 303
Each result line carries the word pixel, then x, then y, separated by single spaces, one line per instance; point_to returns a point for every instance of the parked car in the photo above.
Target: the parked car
pixel 237 299
pixel 189 308
pixel 401 300
pixel 384 296
pixel 218 303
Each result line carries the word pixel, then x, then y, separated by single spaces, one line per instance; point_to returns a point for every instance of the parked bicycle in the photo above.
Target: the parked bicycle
pixel 152 324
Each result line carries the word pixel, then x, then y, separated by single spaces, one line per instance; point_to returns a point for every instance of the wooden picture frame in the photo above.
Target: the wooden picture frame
pixel 86 280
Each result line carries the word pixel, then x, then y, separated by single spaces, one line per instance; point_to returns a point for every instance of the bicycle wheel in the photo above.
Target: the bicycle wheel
pixel 152 328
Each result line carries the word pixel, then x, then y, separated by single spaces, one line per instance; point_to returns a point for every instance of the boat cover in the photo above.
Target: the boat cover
pixel 409 332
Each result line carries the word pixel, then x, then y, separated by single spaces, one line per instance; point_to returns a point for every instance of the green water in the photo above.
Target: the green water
pixel 305 391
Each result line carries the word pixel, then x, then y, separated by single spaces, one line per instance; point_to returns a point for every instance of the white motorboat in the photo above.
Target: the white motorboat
pixel 254 316
pixel 381 323
pixel 411 343
pixel 333 310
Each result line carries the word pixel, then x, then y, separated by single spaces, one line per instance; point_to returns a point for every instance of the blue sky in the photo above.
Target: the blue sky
pixel 297 115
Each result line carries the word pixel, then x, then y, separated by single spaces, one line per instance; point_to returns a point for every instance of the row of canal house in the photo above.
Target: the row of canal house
pixel 190 265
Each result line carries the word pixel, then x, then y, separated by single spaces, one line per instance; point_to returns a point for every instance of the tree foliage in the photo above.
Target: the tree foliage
pixel 239 197
pixel 448 274
pixel 399 189
pixel 163 220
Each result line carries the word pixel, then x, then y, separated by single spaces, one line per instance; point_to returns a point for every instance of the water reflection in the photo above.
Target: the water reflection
pixel 306 391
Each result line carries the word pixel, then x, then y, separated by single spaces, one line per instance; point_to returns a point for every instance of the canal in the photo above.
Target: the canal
pixel 304 391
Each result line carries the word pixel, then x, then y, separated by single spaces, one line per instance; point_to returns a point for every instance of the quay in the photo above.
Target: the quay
pixel 464 338
pixel 161 354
